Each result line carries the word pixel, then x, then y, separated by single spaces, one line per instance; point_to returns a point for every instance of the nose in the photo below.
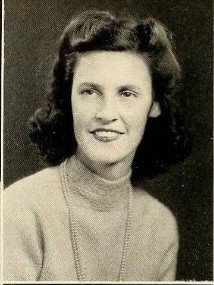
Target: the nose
pixel 107 111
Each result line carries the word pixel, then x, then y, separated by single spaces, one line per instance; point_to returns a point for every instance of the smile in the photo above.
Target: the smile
pixel 106 135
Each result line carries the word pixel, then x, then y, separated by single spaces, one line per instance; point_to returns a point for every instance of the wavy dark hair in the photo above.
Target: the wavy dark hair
pixel 164 141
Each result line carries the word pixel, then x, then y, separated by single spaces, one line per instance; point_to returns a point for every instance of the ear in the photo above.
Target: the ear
pixel 155 110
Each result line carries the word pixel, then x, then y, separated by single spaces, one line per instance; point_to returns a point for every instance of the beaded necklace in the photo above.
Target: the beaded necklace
pixel 74 234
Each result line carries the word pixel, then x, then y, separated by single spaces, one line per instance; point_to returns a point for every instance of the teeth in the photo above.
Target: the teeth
pixel 106 133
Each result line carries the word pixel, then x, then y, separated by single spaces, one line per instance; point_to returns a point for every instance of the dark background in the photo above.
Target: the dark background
pixel 32 29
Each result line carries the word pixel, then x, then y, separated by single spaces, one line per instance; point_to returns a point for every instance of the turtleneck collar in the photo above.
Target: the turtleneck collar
pixel 95 191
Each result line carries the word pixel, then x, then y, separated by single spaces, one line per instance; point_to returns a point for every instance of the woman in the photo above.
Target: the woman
pixel 110 110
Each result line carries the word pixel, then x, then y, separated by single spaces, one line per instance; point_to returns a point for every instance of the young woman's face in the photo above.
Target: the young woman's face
pixel 111 101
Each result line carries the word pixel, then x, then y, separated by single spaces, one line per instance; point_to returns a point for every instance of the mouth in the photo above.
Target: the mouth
pixel 106 135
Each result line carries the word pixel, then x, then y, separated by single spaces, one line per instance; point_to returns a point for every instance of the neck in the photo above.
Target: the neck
pixel 108 171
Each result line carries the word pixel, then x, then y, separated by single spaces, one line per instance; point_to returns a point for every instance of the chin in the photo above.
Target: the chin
pixel 105 159
pixel 106 153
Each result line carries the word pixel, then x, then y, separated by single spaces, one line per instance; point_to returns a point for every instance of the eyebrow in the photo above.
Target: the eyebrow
pixel 120 88
pixel 90 84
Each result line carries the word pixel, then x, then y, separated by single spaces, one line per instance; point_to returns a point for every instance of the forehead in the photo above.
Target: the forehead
pixel 112 66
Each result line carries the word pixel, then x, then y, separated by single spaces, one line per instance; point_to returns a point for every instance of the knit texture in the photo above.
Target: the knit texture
pixel 37 239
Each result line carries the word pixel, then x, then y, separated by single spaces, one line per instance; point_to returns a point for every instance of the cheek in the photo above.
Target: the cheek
pixel 138 118
pixel 137 125
pixel 83 107
pixel 78 118
pixel 79 121
pixel 82 116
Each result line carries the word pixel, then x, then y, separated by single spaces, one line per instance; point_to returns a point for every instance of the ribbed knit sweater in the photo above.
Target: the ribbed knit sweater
pixel 37 232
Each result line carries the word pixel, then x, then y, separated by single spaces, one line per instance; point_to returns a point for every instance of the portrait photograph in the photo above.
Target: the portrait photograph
pixel 107 141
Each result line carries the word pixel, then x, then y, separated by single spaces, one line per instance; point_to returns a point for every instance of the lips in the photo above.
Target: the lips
pixel 106 135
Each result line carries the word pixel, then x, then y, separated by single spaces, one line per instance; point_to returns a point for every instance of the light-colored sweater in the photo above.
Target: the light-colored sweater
pixel 37 234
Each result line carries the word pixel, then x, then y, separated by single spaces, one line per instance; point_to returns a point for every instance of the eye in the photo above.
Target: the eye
pixel 87 92
pixel 127 94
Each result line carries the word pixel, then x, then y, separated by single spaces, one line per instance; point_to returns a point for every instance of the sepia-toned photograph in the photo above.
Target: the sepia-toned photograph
pixel 107 141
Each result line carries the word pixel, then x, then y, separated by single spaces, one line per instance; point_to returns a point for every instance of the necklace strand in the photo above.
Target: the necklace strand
pixel 74 235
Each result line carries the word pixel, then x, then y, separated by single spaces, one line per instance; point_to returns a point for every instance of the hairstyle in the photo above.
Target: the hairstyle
pixel 164 141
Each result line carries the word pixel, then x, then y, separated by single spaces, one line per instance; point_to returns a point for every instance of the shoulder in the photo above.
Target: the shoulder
pixel 157 215
pixel 41 179
pixel 32 191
